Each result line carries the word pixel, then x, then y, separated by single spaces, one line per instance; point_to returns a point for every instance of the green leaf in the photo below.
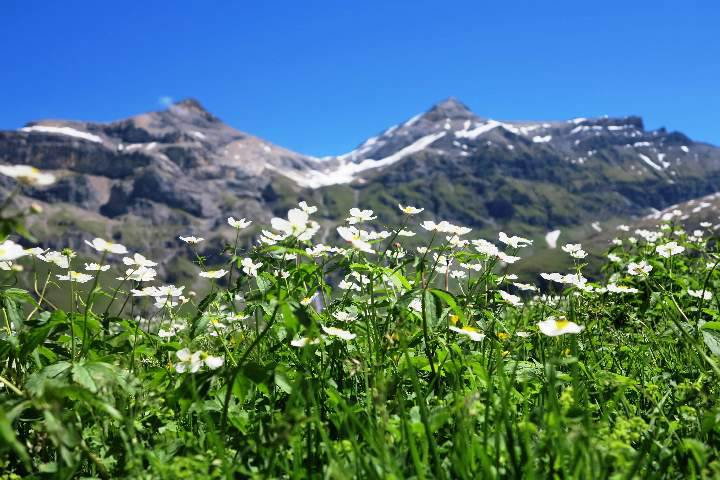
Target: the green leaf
pixel 81 375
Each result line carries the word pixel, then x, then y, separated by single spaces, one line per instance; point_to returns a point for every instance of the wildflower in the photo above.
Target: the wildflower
pixel 28 175
pixel 459 274
pixel 238 224
pixel 704 294
pixel 213 273
pixel 338 332
pixel 308 300
pixel 212 362
pixel 640 268
pixel 416 305
pixel 705 224
pixel 507 258
pixel 522 334
pixel 406 233
pixel 94 267
pixel 472 333
pixel 346 285
pixel 614 288
pixel 172 330
pixel 191 239
pixel 307 208
pixel 616 241
pixel 10 250
pixel 107 247
pixel 357 238
pixel 302 341
pixel 188 361
pixel 614 258
pixel 139 274
pixel 554 277
pixel 74 276
pixel 552 327
pixel 525 286
pixel 623 228
pixel 575 250
pixel 138 260
pixel 345 316
pixel 485 247
pixel 249 267
pixel 36 251
pixel 513 300
pixel 514 241
pixel 410 210
pixel 298 224
pixel 669 249
pixel 359 216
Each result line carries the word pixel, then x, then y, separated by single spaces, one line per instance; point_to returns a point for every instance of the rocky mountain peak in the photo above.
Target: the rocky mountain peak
pixel 450 108
pixel 190 107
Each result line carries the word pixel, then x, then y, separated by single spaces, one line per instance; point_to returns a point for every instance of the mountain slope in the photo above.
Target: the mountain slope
pixel 184 170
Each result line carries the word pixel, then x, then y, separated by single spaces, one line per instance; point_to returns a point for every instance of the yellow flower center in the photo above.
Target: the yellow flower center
pixel 454 319
pixel 561 323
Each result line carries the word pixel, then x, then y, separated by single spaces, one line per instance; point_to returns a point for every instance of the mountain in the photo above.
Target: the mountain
pixel 182 170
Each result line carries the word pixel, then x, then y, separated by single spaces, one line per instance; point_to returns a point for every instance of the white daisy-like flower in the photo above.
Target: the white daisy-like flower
pixel 575 250
pixel 189 361
pixel 94 267
pixel 74 276
pixel 357 238
pixel 406 233
pixel 639 268
pixel 704 294
pixel 10 250
pixel 472 333
pixel 553 327
pixel 345 316
pixel 615 288
pixel 213 273
pixel 614 258
pixel 338 332
pixel 138 260
pixel 308 300
pixel 28 175
pixel 139 274
pixel 525 286
pixel 504 257
pixel 669 249
pixel 359 216
pixel 249 267
pixel 191 239
pixel 238 224
pixel 107 247
pixel 309 209
pixel 514 241
pixel 408 210
pixel 513 300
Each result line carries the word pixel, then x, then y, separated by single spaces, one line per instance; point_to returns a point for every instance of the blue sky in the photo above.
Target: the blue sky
pixel 321 76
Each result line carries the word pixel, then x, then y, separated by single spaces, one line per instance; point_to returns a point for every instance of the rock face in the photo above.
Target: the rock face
pixel 182 169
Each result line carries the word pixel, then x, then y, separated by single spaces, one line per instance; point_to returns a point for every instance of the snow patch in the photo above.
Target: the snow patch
pixel 70 132
pixel 647 160
pixel 551 238
pixel 544 139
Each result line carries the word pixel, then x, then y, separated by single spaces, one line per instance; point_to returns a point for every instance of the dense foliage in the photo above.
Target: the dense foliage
pixel 301 360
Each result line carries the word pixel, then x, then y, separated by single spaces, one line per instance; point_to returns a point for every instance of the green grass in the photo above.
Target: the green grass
pixel 93 390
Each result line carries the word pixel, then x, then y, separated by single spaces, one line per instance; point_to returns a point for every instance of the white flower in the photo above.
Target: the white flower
pixel 525 286
pixel 406 233
pixel 458 274
pixel 213 273
pixel 139 274
pixel 669 249
pixel 522 334
pixel 302 341
pixel 308 300
pixel 552 327
pixel 10 250
pixel 344 316
pixel 77 277
pixel 138 260
pixel 338 332
pixel 191 239
pixel 623 228
pixel 410 210
pixel 514 241
pixel 35 251
pixel 614 258
pixel 445 227
pixel 239 224
pixel 614 288
pixel 705 224
pixel 513 300
pixel 249 267
pixel 616 241
pixel 357 238
pixel 575 250
pixel 188 361
pixel 359 216
pixel 507 258
pixel 416 305
pixel 28 175
pixel 212 362
pixel 298 224
pixel 485 247
pixel 94 267
pixel 705 295
pixel 639 268
pixel 307 208
pixel 104 246
pixel 474 334
pixel 347 285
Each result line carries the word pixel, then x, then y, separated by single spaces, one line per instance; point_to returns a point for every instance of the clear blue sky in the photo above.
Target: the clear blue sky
pixel 321 76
